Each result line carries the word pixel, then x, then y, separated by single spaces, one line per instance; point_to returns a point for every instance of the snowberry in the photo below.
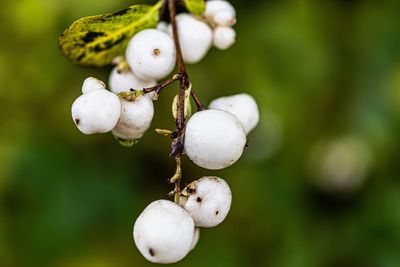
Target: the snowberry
pixel 220 12
pixel 163 232
pixel 207 200
pixel 243 106
pixel 123 81
pixel 151 54
pixel 97 111
pixel 223 37
pixel 91 84
pixel 162 26
pixel 224 18
pixel 195 37
pixel 196 237
pixel 214 139
pixel 135 119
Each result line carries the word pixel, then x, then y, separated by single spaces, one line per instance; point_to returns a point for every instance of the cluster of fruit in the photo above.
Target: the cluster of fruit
pixel 214 138
pixel 166 232
pixel 151 56
pixel 213 28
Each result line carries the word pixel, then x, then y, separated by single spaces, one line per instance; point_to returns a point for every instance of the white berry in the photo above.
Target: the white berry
pixel 163 232
pixel 151 54
pixel 195 37
pixel 214 139
pixel 97 111
pixel 207 200
pixel 224 18
pixel 223 37
pixel 243 106
pixel 91 84
pixel 135 119
pixel 220 12
pixel 123 81
pixel 162 26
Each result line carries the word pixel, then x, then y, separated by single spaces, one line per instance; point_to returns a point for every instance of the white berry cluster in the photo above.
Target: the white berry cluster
pixel 98 110
pixel 198 34
pixel 166 232
pixel 151 56
pixel 212 138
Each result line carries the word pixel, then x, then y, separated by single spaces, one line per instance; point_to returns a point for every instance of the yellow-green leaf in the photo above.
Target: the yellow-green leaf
pixel 96 40
pixel 196 7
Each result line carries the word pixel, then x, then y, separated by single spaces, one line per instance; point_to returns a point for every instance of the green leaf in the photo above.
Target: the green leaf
pixel 196 7
pixel 97 40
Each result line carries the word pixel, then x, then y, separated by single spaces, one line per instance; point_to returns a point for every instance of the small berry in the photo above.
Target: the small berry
pixel 151 54
pixel 162 26
pixel 96 112
pixel 224 18
pixel 220 12
pixel 123 81
pixel 91 84
pixel 207 200
pixel 243 106
pixel 163 232
pixel 214 139
pixel 135 119
pixel 195 37
pixel 223 37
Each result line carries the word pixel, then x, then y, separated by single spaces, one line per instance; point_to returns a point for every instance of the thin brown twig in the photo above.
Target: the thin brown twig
pixel 132 94
pixel 177 145
pixel 157 88
pixel 196 99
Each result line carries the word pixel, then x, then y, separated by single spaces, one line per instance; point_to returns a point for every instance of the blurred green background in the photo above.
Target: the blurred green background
pixel 317 186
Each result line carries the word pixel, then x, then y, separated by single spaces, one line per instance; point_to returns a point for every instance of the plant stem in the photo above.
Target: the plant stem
pixel 177 145
pixel 162 85
pixel 196 99
pixel 133 93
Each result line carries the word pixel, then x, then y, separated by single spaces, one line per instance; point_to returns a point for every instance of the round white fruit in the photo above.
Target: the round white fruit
pixel 163 232
pixel 91 84
pixel 96 112
pixel 135 119
pixel 151 54
pixel 224 18
pixel 243 106
pixel 214 139
pixel 220 12
pixel 123 81
pixel 162 26
pixel 207 200
pixel 223 37
pixel 195 37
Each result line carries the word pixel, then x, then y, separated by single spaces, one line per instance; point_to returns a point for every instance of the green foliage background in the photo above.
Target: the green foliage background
pixel 318 69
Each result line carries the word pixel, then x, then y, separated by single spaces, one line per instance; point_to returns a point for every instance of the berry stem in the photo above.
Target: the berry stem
pixel 177 144
pixel 196 99
pixel 172 16
pixel 133 93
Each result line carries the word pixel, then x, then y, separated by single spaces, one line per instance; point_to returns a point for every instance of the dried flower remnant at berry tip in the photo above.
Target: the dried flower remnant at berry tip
pixel 156 52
